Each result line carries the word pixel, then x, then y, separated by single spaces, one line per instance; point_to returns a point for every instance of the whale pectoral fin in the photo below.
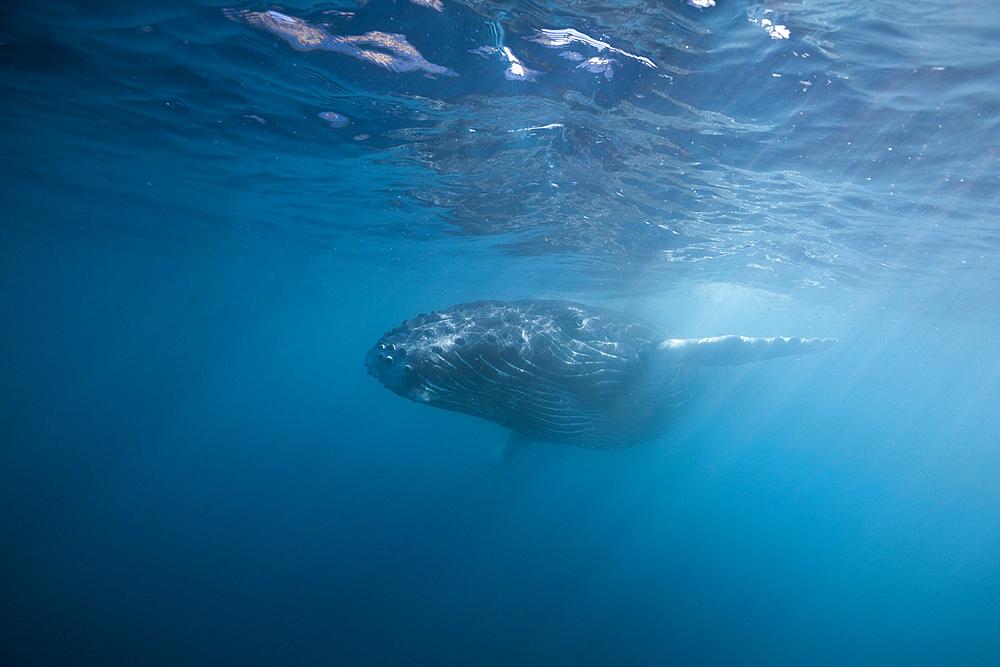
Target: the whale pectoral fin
pixel 735 350
pixel 517 443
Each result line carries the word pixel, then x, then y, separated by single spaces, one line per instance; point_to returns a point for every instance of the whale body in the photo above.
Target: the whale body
pixel 557 371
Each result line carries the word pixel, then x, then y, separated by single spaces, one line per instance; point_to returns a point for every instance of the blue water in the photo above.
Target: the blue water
pixel 211 212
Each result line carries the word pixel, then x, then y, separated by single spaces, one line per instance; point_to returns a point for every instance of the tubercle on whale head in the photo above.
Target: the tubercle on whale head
pixel 388 363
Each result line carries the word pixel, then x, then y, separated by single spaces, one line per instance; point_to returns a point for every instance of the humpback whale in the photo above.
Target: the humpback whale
pixel 557 371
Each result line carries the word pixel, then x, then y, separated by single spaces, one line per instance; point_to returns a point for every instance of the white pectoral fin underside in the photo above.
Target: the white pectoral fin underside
pixel 735 350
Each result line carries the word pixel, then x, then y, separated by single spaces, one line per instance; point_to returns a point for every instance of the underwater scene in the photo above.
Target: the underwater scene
pixel 500 332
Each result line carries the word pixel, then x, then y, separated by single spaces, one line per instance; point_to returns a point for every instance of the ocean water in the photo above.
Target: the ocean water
pixel 210 212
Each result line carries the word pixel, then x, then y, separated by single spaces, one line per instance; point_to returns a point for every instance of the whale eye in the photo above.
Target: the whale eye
pixel 571 321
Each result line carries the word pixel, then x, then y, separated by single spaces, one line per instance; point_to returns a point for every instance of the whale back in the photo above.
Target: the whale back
pixel 552 371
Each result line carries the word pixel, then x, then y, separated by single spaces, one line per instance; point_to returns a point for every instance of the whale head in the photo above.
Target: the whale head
pixel 416 360
pixel 397 369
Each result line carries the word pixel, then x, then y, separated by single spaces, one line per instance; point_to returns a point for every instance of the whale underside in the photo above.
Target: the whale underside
pixel 557 371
